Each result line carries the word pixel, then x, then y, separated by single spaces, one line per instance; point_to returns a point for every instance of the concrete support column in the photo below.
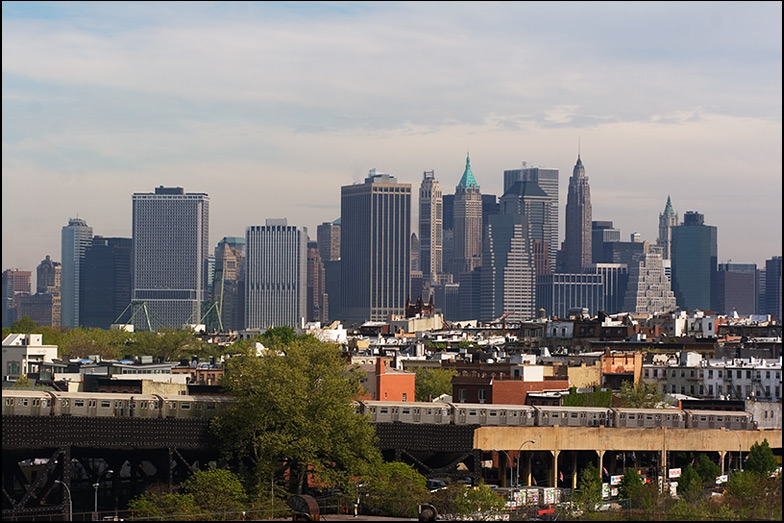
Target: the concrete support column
pixel 554 476
pixel 527 469
pixel 722 455
pixel 574 470
pixel 600 456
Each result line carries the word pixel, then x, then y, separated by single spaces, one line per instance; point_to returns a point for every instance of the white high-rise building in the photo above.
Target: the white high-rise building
pixel 76 237
pixel 170 250
pixel 275 275
pixel 431 227
pixel 649 290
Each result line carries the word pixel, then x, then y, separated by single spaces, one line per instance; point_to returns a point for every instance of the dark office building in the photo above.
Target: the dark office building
pixel 602 232
pixel 694 261
pixel 736 288
pixel 106 281
pixel 773 287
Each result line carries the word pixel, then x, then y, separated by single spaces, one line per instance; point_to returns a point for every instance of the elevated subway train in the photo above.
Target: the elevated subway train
pixel 46 403
pixel 548 416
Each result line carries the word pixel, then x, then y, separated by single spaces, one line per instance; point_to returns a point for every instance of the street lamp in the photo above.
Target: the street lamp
pixel 97 484
pixel 508 460
pixel 70 501
pixel 740 449
pixel 518 459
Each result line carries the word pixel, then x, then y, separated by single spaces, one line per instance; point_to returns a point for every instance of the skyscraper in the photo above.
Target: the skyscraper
pixel 667 220
pixel 170 249
pixel 576 250
pixel 276 275
pixel 318 308
pixel 467 223
pixel 736 288
pixel 528 199
pixel 16 284
pixel 773 287
pixel 648 290
pixel 76 237
pixel 694 251
pixel 328 238
pixel 547 180
pixel 48 276
pixel 431 227
pixel 228 285
pixel 106 281
pixel 375 248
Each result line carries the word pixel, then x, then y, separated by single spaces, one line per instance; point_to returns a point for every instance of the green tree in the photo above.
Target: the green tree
pixel 158 504
pixel 480 503
pixel 633 488
pixel 641 395
pixel 589 496
pixel 394 489
pixel 24 325
pixel 707 470
pixel 218 491
pixel 294 415
pixel 761 458
pixel 690 485
pixel 431 383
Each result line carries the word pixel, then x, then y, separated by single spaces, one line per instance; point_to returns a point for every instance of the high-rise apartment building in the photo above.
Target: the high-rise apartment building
pixel 467 223
pixel 48 276
pixel 275 275
pixel 648 290
pixel 576 250
pixel 106 281
pixel 431 227
pixel 694 251
pixel 76 237
pixel 375 248
pixel 547 180
pixel 667 220
pixel 170 250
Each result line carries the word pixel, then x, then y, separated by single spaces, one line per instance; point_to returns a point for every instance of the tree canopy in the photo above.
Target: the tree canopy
pixel 640 395
pixel 294 414
pixel 761 458
pixel 394 489
pixel 589 496
pixel 431 383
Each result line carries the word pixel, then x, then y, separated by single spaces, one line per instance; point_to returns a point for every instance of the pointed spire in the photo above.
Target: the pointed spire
pixel 668 208
pixel 468 181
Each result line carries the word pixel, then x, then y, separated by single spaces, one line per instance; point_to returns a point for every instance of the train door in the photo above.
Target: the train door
pixel 417 415
pixel 438 414
pixel 462 416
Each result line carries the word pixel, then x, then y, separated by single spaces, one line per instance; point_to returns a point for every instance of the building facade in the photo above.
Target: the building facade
pixel 557 293
pixel 736 289
pixel 375 248
pixel 16 283
pixel 170 251
pixel 694 262
pixel 48 276
pixel 667 220
pixel 773 287
pixel 276 275
pixel 106 281
pixel 648 290
pixel 431 227
pixel 576 250
pixel 227 287
pixel 76 237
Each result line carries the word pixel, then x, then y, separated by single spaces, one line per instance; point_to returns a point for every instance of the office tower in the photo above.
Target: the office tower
pixel 667 220
pixel 773 287
pixel 616 278
pixel 648 290
pixel 470 295
pixel 490 207
pixel 694 251
pixel 736 288
pixel 106 281
pixel 16 283
pixel 528 199
pixel 557 293
pixel 761 284
pixel 316 296
pixel 375 248
pixel 48 276
pixel 227 287
pixel 547 179
pixel 170 249
pixel 415 254
pixel 43 309
pixel 508 272
pixel 328 238
pixel 431 227
pixel 576 250
pixel 276 275
pixel 467 223
pixel 602 232
pixel 76 237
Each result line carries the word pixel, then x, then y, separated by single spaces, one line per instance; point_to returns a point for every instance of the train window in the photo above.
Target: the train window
pixel 632 416
pixel 106 404
pixel 472 413
pixel 555 414
pixel 36 402
pixel 153 404
pixel 493 413
pixel 185 406
pixel 574 414
pixel 648 417
pixel 384 410
pixel 623 416
pixel 210 405
pixel 78 403
pixel 9 402
pixel 406 411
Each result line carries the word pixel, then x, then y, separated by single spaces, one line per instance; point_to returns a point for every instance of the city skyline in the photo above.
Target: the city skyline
pixel 270 108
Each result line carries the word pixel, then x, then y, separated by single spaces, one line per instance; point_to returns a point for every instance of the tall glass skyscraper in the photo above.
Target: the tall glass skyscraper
pixel 170 250
pixel 275 275
pixel 76 237
pixel 694 250
pixel 431 227
pixel 577 250
pixel 375 247
pixel 106 281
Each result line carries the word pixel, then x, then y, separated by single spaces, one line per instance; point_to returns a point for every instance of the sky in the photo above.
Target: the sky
pixel 271 107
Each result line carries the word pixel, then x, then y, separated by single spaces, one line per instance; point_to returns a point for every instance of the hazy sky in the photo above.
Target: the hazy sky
pixel 271 107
